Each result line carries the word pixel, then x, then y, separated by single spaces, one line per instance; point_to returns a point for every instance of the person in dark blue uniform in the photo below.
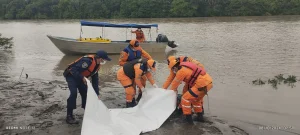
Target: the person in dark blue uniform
pixel 76 74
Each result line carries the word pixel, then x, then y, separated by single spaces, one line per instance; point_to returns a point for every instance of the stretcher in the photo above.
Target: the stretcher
pixel 154 108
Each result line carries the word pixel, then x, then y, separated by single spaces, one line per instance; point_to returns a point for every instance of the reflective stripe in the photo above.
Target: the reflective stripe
pixel 192 93
pixel 150 79
pixel 128 86
pixel 186 106
pixel 196 106
pixel 177 80
pixel 185 100
pixel 129 100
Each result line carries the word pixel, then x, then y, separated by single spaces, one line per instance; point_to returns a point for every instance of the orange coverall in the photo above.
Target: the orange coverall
pixel 172 75
pixel 139 35
pixel 127 82
pixel 193 96
pixel 124 57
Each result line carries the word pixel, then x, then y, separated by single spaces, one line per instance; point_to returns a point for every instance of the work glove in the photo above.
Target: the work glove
pixel 176 91
pixel 84 81
pixel 143 89
pixel 155 86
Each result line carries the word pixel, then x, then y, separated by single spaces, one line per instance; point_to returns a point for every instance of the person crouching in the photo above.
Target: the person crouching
pixel 131 73
pixel 200 83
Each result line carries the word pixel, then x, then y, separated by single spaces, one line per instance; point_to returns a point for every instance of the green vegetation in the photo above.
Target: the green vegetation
pixel 6 43
pixel 280 78
pixel 94 9
pixel 258 82
pixel 273 82
pixel 290 81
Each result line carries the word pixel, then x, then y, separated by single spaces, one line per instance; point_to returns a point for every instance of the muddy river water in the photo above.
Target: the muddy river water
pixel 234 50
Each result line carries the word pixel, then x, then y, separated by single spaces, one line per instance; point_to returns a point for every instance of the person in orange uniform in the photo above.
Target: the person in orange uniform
pixel 172 76
pixel 139 35
pixel 131 52
pixel 131 73
pixel 199 81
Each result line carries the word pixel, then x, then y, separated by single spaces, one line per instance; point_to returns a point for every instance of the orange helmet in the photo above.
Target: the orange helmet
pixel 152 64
pixel 170 58
pixel 172 63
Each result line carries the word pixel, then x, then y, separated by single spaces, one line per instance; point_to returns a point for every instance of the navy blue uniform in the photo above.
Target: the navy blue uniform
pixel 75 81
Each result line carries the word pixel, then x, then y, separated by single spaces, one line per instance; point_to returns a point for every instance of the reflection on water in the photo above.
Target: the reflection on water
pixel 108 71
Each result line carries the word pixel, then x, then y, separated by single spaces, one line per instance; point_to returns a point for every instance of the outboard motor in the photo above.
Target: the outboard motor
pixel 172 44
pixel 164 38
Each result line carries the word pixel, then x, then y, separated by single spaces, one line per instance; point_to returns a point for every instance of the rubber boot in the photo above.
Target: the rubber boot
pixel 189 119
pixel 139 97
pixel 133 103
pixel 179 111
pixel 128 104
pixel 71 120
pixel 199 117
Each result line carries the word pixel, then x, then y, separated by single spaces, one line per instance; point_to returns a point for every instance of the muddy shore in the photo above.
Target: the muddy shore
pixel 35 106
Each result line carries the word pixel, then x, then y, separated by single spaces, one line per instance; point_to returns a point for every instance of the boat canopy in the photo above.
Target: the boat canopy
pixel 106 24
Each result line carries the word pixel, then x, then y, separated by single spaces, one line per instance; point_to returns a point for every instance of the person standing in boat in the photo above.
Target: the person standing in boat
pixel 132 52
pixel 139 35
pixel 76 74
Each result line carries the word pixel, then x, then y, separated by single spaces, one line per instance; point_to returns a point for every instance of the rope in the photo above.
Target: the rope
pixel 208 103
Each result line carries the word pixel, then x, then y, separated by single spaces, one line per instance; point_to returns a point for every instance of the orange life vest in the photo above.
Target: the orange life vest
pixel 91 69
pixel 196 71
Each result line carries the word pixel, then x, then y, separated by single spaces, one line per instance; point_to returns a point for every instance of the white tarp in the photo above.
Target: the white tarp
pixel 155 106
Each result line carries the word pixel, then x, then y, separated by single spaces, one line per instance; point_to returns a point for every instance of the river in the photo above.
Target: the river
pixel 234 50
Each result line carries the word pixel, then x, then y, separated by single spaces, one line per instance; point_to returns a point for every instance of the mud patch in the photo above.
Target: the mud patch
pixel 238 131
pixel 42 105
pixel 212 125
pixel 30 103
pixel 214 130
pixel 42 125
pixel 1 123
pixel 48 111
